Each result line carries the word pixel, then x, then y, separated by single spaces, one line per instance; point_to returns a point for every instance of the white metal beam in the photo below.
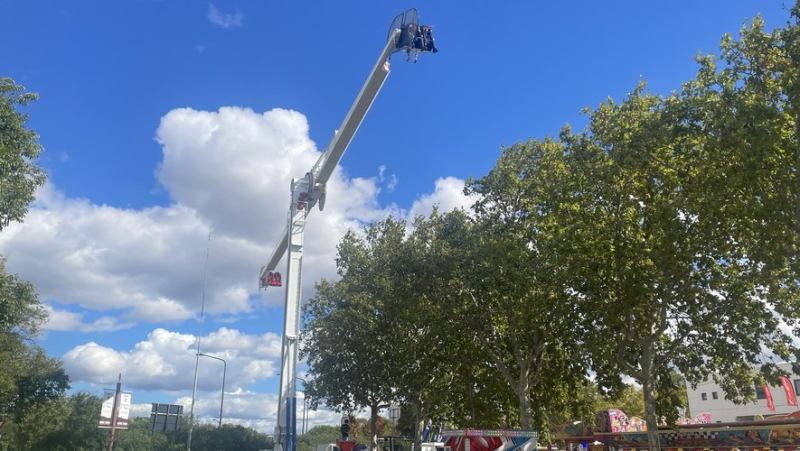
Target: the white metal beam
pixel 341 140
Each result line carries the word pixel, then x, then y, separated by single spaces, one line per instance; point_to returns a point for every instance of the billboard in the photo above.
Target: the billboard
pixel 123 410
pixel 165 417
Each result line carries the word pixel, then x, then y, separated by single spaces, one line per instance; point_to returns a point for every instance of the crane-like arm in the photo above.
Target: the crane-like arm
pixel 338 145
pixel 321 171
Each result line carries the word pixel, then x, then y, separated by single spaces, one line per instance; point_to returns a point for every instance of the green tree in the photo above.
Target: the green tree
pixel 394 284
pixel 19 175
pixel 683 226
pixel 318 435
pixel 138 437
pixel 60 425
pixel 347 336
pixel 511 297
pixel 27 375
pixel 429 353
pixel 229 437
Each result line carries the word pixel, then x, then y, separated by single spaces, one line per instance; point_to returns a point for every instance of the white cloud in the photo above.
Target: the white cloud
pixel 105 258
pixel 63 320
pixel 166 361
pixel 225 20
pixel 252 409
pixel 448 195
pixel 140 410
pixel 265 346
pixel 228 171
pixel 390 180
pixel 160 309
pixel 234 166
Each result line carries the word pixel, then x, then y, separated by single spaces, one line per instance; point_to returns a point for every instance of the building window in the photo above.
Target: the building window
pixel 760 393
pixel 704 396
pixel 797 387
pixel 714 395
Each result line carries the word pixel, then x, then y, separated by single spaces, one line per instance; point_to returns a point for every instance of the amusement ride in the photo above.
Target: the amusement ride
pixel 405 34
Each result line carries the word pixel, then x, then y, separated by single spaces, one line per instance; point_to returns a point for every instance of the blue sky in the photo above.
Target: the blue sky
pixel 163 120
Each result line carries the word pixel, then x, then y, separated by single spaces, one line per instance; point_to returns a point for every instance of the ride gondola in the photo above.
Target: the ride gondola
pixel 413 36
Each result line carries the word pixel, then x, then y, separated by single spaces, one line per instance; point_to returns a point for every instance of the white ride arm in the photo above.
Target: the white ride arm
pixel 341 140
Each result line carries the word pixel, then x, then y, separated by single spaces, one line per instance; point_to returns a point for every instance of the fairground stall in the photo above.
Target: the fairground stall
pixel 615 431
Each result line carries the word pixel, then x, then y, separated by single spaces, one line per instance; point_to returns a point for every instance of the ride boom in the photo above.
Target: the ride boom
pixel 405 34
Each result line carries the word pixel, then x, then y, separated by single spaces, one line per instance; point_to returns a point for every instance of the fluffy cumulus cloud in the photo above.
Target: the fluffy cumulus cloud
pixel 102 268
pixel 166 361
pixel 63 320
pixel 447 195
pixel 227 173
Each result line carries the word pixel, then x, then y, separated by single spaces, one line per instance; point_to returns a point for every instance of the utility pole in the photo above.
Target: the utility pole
pixel 115 412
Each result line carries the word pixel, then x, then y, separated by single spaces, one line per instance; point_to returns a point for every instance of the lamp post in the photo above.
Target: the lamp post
pixel 224 372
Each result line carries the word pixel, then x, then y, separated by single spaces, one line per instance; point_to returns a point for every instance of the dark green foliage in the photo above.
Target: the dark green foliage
pixel 71 424
pixel 19 175
pixel 229 437
pixel 27 376
pixel 347 332
pixel 63 424
pixel 318 435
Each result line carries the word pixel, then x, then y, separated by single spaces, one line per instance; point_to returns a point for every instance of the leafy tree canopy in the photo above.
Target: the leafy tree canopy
pixel 19 147
pixel 27 376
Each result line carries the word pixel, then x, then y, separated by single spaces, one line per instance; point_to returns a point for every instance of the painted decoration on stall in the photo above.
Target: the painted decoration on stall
pixel 615 420
pixel 702 418
pixel 479 440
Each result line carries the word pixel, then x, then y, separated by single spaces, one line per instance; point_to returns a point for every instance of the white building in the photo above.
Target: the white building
pixel 709 397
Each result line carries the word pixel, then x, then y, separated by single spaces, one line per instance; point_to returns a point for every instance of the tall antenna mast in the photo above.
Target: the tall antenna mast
pixel 197 353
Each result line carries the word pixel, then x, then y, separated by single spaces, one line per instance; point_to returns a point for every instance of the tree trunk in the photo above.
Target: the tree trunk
pixel 420 425
pixel 525 415
pixel 373 432
pixel 649 388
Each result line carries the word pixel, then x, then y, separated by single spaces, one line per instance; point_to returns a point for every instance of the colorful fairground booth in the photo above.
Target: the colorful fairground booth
pixel 616 432
pixel 490 440
pixel 473 440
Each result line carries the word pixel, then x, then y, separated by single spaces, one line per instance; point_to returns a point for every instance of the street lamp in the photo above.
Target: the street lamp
pixel 224 371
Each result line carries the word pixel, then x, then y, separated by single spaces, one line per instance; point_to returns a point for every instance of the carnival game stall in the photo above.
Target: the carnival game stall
pixel 615 431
